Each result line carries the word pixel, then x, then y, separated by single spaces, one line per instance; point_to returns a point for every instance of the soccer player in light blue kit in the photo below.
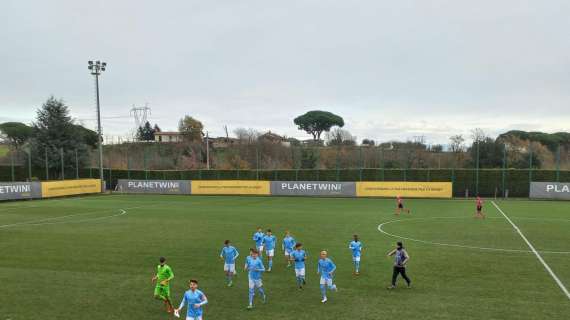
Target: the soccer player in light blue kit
pixel 356 247
pixel 258 238
pixel 299 256
pixel 194 299
pixel 254 267
pixel 269 241
pixel 288 246
pixel 229 254
pixel 326 268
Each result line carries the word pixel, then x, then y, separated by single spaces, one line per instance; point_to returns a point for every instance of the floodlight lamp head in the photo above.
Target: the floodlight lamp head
pixel 90 62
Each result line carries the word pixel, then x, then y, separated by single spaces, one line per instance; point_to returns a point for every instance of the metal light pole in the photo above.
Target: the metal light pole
pixel 96 68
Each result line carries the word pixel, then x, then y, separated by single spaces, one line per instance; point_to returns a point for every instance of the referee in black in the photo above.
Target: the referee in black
pixel 401 258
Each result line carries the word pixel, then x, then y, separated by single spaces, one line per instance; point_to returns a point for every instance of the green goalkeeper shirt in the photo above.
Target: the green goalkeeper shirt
pixel 163 273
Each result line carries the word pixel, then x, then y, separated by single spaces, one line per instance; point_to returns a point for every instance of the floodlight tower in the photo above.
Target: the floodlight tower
pixel 96 68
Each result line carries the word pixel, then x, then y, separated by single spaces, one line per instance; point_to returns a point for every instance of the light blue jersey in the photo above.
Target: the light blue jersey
pixel 254 267
pixel 269 242
pixel 356 247
pixel 326 267
pixel 192 298
pixel 258 238
pixel 299 257
pixel 230 254
pixel 289 244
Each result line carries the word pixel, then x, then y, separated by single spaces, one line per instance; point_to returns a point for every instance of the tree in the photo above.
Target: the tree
pixel 368 142
pixel 16 133
pixel 156 128
pixel 457 143
pixel 550 140
pixel 145 133
pixel 191 129
pixel 478 134
pixel 436 148
pixel 247 135
pixel 340 137
pixel 309 159
pixel 89 137
pixel 53 132
pixel 316 122
pixel 490 153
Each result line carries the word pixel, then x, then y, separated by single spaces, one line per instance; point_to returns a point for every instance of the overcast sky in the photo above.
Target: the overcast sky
pixel 392 69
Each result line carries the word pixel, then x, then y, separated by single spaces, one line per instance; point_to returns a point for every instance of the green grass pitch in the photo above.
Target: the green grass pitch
pixel 86 258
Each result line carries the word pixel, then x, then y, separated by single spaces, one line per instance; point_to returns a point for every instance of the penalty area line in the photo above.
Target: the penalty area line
pixel 538 256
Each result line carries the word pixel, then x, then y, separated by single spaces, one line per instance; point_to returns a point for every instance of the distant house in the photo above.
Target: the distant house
pixel 166 136
pixel 275 138
pixel 222 142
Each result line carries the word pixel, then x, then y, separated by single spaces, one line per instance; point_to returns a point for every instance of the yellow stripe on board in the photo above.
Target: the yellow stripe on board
pixel 234 187
pixel 70 187
pixel 404 189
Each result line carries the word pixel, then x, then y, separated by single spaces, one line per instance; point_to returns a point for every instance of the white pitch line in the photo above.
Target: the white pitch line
pixel 42 222
pixel 538 256
pixel 381 229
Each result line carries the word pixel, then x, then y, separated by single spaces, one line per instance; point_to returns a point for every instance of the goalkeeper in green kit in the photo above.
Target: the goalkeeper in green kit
pixel 162 278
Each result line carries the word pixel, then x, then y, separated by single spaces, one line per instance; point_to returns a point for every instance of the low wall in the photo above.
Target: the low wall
pixel 288 188
pixel 49 189
pixel 404 189
pixel 230 187
pixel 20 190
pixel 550 190
pixel 154 186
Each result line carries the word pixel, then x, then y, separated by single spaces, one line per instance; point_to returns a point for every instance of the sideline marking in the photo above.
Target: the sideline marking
pixel 381 229
pixel 538 256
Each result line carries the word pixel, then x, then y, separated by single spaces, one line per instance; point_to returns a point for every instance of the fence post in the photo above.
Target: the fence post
pixel 128 164
pixel 62 166
pixel 530 164
pixel 558 164
pixel 337 163
pixel 503 175
pixel 144 163
pixel 477 171
pixel 361 159
pixel 428 173
pixel 110 182
pixel 12 165
pixel 76 165
pixel 30 164
pixel 47 167
pixel 256 162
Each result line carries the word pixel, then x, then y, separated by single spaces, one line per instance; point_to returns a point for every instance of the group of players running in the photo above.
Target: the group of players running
pixel 194 299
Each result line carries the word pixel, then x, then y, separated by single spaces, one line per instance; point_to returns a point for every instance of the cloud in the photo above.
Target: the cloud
pixel 392 69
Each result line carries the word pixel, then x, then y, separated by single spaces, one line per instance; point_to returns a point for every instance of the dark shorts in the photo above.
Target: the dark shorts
pixel 400 206
pixel 479 208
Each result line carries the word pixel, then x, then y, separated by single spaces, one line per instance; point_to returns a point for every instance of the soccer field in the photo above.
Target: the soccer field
pixel 93 257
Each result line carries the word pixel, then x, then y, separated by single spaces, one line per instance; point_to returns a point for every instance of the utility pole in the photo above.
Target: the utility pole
pixel 96 68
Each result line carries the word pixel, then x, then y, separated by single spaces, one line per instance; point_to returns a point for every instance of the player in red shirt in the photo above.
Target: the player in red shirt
pixel 400 206
pixel 479 213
